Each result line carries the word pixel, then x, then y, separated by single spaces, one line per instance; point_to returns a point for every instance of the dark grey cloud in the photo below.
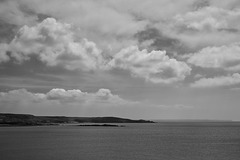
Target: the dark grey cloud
pixel 159 41
pixel 41 17
pixel 30 12
pixel 200 4
pixel 8 28
pixel 7 31
pixel 35 75
pixel 230 30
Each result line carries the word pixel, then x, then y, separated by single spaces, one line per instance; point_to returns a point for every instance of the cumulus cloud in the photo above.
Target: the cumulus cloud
pixel 72 96
pixel 63 96
pixel 61 42
pixel 225 57
pixel 209 18
pixel 56 44
pixel 217 81
pixel 155 66
pixel 59 101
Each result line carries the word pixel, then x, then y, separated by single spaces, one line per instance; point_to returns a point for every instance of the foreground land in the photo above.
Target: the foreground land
pixel 7 119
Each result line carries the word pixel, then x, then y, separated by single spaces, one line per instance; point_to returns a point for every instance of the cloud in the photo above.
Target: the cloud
pixel 110 22
pixel 108 19
pixel 74 102
pixel 85 40
pixel 63 96
pixel 59 101
pixel 117 21
pixel 209 18
pixel 155 66
pixel 72 96
pixel 13 13
pixel 56 44
pixel 226 57
pixel 201 4
pixel 7 31
pixel 3 53
pixel 59 44
pixel 20 95
pixel 153 39
pixel 230 4
pixel 217 81
pixel 204 27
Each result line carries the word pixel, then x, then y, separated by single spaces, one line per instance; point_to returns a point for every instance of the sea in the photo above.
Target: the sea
pixel 153 141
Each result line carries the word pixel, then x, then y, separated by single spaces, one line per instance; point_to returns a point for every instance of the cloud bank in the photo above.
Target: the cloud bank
pixel 59 44
pixel 93 36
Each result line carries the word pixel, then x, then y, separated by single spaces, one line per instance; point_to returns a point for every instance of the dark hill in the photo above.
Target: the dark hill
pixel 7 119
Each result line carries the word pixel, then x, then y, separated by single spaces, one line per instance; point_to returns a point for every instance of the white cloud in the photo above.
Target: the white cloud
pixel 217 81
pixel 209 18
pixel 63 96
pixel 155 66
pixel 225 57
pixel 65 102
pixel 73 96
pixel 55 43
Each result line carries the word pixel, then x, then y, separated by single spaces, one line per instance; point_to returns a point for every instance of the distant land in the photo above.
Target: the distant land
pixel 192 120
pixel 101 125
pixel 8 119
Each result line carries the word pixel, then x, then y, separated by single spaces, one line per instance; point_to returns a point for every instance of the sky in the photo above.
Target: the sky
pixel 155 59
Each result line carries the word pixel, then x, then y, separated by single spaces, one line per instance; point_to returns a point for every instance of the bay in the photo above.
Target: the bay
pixel 157 141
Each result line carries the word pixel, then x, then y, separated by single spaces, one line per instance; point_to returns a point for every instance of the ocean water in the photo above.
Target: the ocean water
pixel 159 141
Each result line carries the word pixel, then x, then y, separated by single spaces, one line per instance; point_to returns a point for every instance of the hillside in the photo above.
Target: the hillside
pixel 7 119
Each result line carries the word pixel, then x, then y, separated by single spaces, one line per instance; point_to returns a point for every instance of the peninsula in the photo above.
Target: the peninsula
pixel 8 119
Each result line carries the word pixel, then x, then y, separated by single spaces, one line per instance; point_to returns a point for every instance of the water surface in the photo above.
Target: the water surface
pixel 159 141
